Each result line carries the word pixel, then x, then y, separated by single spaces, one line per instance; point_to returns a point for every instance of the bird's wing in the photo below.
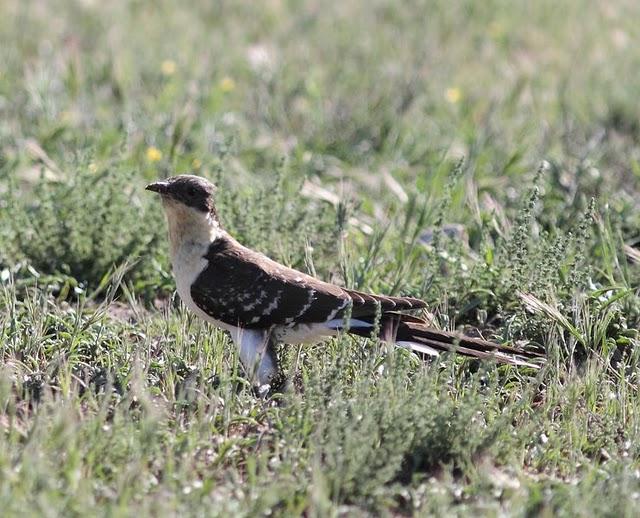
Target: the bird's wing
pixel 244 288
pixel 366 303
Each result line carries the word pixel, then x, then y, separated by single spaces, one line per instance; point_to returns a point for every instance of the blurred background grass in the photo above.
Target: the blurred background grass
pixel 350 139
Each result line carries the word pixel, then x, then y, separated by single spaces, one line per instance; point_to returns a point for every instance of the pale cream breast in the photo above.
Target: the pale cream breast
pixel 190 234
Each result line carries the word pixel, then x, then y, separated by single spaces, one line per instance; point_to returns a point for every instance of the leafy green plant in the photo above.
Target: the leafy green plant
pixel 86 227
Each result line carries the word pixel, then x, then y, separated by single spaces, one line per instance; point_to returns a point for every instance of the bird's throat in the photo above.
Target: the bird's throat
pixel 189 227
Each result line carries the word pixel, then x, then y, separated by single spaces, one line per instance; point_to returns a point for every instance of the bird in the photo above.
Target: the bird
pixel 262 303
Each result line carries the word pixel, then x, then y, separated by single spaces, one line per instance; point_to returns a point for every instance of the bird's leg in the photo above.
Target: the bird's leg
pixel 257 354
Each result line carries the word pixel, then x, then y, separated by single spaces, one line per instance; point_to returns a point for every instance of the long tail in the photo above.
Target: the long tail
pixel 414 333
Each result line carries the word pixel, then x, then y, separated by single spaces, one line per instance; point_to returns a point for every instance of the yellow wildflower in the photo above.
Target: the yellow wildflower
pixel 227 84
pixel 196 163
pixel 153 154
pixel 453 95
pixel 496 30
pixel 168 67
pixel 93 167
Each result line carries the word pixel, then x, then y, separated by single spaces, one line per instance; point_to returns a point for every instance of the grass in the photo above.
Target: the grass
pixel 482 155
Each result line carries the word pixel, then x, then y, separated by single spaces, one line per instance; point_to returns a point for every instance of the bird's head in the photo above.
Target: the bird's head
pixel 186 192
pixel 189 204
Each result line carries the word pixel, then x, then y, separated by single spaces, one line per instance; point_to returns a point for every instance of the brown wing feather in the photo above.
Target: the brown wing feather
pixel 244 288
pixel 367 303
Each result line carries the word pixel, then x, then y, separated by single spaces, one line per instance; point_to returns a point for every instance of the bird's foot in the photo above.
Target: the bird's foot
pixel 276 385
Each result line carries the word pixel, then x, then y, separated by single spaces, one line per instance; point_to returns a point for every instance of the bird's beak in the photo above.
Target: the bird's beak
pixel 159 187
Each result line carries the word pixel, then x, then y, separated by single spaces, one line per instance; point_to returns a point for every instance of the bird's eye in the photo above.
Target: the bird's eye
pixel 192 191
